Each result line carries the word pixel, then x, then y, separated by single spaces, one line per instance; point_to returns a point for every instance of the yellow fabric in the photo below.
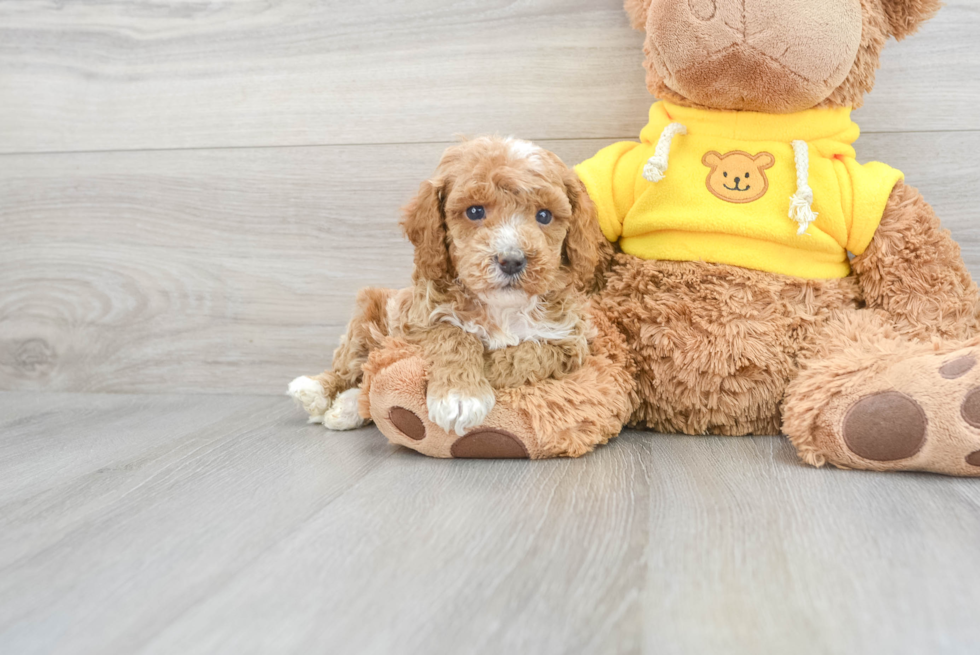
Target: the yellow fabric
pixel 680 218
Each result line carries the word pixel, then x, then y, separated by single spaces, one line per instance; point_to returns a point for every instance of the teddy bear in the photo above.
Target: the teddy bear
pixel 757 279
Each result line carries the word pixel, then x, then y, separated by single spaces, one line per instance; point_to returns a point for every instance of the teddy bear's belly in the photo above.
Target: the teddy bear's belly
pixel 716 345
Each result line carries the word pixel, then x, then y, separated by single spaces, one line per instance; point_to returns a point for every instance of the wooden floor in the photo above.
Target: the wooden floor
pixel 219 524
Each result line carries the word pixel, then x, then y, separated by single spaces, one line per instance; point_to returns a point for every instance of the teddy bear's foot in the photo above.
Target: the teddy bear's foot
pixel 398 407
pixel 915 410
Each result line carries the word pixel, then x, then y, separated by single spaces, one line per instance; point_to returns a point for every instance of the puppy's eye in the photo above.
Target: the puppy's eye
pixel 746 176
pixel 725 174
pixel 544 217
pixel 476 213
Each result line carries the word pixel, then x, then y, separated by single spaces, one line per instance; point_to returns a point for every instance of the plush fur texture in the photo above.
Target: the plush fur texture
pixel 914 273
pixel 771 57
pixel 478 326
pixel 869 357
pixel 716 345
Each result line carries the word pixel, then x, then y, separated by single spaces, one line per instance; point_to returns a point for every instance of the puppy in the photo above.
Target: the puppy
pixel 506 245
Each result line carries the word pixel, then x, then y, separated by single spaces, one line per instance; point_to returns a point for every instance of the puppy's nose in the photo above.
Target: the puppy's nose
pixel 737 180
pixel 512 263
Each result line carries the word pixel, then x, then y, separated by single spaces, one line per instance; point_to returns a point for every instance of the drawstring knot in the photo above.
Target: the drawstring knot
pixel 656 167
pixel 801 203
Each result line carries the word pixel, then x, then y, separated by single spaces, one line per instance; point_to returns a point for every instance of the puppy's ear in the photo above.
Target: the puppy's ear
pixel 583 244
pixel 637 10
pixel 424 222
pixel 905 16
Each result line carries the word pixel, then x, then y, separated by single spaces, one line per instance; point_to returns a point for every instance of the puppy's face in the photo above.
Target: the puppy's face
pixel 512 217
pixel 507 217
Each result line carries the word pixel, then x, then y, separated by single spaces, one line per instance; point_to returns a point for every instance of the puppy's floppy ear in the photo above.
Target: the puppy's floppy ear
pixel 905 16
pixel 424 222
pixel 584 240
pixel 637 10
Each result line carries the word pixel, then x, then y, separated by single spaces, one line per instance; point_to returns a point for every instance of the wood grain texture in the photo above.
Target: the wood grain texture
pixel 109 75
pixel 235 270
pixel 163 524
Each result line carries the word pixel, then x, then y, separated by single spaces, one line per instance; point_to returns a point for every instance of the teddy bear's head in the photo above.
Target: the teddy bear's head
pixel 775 56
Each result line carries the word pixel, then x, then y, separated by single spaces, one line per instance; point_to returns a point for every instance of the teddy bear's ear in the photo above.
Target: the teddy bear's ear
pixel 637 10
pixel 711 159
pixel 764 160
pixel 905 16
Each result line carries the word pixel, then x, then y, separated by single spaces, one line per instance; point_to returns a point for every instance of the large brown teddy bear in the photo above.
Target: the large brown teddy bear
pixel 731 303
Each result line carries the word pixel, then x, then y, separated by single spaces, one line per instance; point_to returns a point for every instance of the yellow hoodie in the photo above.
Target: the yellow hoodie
pixel 777 193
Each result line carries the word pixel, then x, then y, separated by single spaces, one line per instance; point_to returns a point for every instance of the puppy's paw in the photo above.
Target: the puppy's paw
pixel 457 413
pixel 343 414
pixel 309 394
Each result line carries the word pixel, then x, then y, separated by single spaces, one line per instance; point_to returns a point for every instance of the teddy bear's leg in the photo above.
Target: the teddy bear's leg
pixel 887 403
pixel 882 389
pixel 568 417
pixel 397 400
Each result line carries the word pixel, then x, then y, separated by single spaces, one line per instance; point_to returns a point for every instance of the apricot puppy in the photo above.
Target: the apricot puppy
pixel 506 242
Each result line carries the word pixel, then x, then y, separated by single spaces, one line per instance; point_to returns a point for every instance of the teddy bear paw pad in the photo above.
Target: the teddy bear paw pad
pixel 489 444
pixel 921 414
pixel 407 423
pixel 885 427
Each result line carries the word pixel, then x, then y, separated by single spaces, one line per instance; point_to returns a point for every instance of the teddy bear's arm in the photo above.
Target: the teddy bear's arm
pixel 530 362
pixel 913 270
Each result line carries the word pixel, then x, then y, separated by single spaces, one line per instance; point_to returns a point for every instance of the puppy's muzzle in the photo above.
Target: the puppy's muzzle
pixel 511 263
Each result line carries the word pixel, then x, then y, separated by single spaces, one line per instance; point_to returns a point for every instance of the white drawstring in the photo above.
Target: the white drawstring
pixel 801 204
pixel 656 167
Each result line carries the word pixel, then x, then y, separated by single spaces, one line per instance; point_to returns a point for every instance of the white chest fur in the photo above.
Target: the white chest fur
pixel 509 318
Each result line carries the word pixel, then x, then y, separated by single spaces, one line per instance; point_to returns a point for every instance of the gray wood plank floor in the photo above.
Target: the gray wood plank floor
pixel 220 524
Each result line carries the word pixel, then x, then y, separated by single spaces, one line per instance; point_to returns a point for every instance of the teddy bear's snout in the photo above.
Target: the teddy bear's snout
pixel 730 54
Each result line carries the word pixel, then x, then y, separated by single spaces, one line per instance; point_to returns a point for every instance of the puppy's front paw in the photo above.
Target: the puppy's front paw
pixel 457 413
pixel 343 415
pixel 309 394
